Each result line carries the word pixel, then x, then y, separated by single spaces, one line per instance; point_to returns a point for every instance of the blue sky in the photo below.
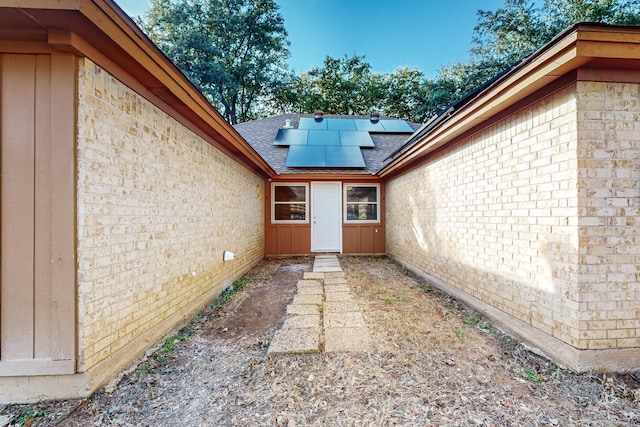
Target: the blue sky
pixel 390 33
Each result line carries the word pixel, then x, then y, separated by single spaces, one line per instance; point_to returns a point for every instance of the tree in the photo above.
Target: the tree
pixel 504 37
pixel 340 86
pixel 406 95
pixel 235 51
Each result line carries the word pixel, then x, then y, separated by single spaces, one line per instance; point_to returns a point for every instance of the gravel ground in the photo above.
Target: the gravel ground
pixel 435 363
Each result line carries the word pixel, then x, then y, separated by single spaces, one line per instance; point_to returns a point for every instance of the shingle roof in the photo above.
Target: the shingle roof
pixel 261 133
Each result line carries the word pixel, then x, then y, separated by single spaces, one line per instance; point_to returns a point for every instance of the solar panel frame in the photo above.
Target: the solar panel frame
pixel 344 156
pixel 357 138
pixel 287 137
pixel 311 123
pixel 341 124
pixel 306 156
pixel 368 125
pixel 323 137
pixel 396 126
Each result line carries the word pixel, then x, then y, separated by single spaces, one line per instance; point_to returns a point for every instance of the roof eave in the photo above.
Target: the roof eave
pixel 99 29
pixel 572 49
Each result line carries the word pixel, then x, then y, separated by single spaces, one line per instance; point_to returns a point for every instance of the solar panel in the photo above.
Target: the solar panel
pixel 341 124
pixel 306 156
pixel 311 123
pixel 358 138
pixel 324 137
pixel 396 126
pixel 344 157
pixel 291 137
pixel 333 142
pixel 368 125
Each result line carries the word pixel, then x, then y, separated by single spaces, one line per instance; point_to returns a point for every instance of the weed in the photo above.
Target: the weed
pixel 166 350
pixel 27 416
pixel 393 300
pixel 462 334
pixel 532 375
pixel 449 307
pixel 471 320
pixel 424 287
pixel 226 295
pixel 143 368
pixel 485 327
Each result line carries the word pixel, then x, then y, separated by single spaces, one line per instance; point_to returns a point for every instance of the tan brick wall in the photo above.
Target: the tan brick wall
pixel 157 206
pixel 536 215
pixel 609 208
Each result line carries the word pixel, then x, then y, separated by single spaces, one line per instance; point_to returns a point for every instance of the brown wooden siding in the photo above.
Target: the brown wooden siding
pixel 295 239
pixel 363 239
pixel 37 287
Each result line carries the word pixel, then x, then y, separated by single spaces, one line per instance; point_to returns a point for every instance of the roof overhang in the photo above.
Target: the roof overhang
pixel 102 32
pixel 592 46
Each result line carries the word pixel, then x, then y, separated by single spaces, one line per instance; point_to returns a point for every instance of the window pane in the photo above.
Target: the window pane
pixel 290 212
pixel 290 193
pixel 362 194
pixel 362 212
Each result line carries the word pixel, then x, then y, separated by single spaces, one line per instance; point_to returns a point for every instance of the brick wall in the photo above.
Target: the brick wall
pixel 609 214
pixel 157 206
pixel 536 215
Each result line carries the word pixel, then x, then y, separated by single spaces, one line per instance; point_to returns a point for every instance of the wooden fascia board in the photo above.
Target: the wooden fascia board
pixel 107 22
pixel 317 177
pixel 119 28
pixel 543 70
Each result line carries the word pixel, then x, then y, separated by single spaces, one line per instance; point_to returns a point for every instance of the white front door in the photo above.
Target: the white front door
pixel 326 217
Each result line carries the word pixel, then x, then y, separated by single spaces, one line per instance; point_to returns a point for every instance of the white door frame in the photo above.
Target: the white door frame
pixel 331 222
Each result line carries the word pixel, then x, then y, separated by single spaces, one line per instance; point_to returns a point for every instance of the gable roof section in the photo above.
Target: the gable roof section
pixel 102 32
pixel 588 48
pixel 262 133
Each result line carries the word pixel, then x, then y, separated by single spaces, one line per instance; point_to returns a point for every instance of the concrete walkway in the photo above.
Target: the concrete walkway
pixel 323 314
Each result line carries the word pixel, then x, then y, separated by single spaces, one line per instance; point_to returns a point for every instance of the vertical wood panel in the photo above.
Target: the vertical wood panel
pixel 366 239
pixel 63 278
pixel 379 240
pixel 17 142
pixel 42 203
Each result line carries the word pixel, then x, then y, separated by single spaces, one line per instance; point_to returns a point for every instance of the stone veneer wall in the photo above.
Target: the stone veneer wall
pixel 157 205
pixel 536 215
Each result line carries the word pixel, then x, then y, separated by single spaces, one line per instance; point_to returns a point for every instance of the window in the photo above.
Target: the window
pixel 362 203
pixel 289 202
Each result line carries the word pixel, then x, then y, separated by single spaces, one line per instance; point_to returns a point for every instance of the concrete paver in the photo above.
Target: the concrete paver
pixel 322 311
pixel 344 320
pixel 307 299
pixel 296 340
pixel 302 309
pixel 338 296
pixel 302 321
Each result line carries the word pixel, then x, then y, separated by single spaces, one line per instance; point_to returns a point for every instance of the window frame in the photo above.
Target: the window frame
pixel 274 203
pixel 346 203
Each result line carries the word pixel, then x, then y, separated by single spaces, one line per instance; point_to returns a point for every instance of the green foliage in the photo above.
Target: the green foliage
pixel 228 293
pixel 235 51
pixel 471 320
pixel 166 350
pixel 347 86
pixel 532 375
pixel 462 334
pixel 509 34
pixel 28 415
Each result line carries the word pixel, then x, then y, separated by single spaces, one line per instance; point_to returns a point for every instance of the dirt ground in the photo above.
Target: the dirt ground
pixel 435 363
